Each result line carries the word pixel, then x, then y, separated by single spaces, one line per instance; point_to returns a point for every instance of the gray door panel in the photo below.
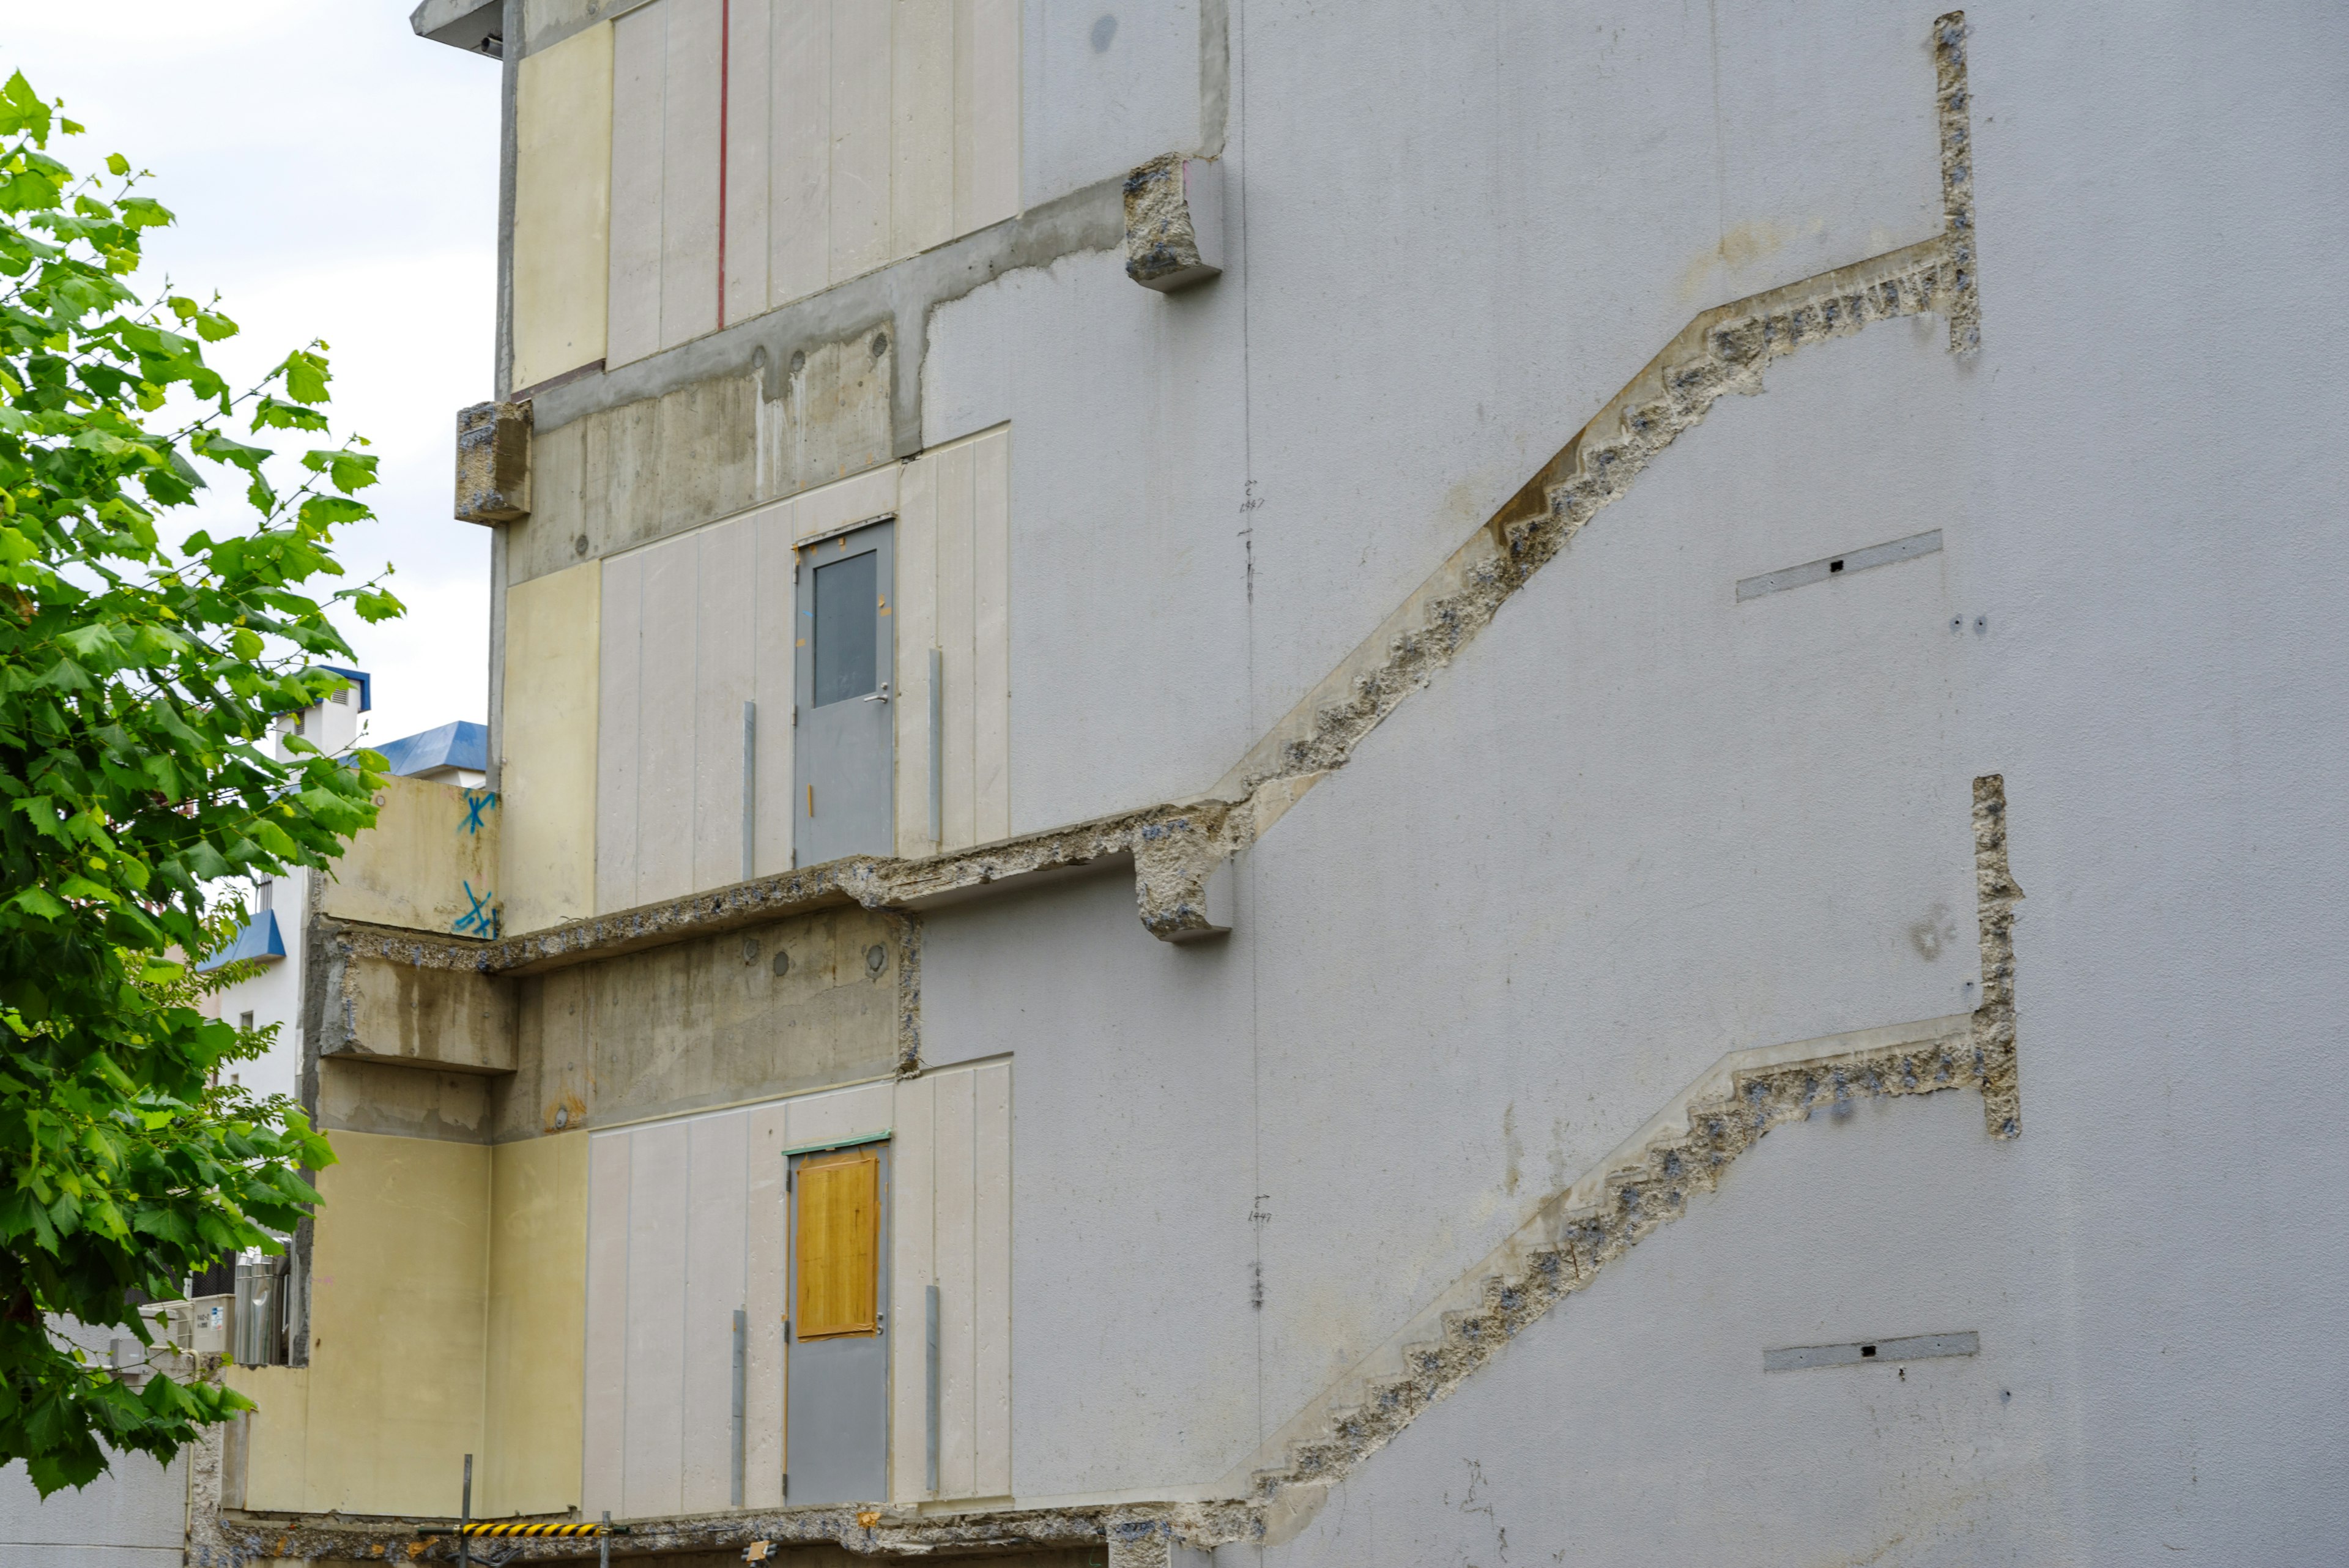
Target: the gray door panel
pixel 844 753
pixel 836 1399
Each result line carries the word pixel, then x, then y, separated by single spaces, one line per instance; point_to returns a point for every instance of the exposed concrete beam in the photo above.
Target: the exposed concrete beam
pixel 476 27
pixel 900 297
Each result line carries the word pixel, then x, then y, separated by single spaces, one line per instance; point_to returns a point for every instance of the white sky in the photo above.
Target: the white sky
pixel 335 176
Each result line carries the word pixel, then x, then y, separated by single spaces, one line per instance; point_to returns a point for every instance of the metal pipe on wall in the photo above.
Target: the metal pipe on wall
pixel 750 791
pixel 930 1364
pixel 741 1329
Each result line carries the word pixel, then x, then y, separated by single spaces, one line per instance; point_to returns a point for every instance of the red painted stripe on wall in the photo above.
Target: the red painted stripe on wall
pixel 725 83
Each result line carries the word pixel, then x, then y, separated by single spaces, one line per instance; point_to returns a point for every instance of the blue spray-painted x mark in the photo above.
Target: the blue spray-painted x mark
pixel 483 919
pixel 478 801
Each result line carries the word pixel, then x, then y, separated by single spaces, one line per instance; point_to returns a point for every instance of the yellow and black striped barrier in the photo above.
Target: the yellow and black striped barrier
pixel 520 1527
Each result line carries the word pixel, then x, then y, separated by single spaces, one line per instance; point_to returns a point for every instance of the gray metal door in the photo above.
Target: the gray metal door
pixel 836 1415
pixel 843 755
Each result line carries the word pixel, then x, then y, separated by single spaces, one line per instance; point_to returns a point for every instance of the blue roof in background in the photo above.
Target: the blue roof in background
pixel 463 744
pixel 256 939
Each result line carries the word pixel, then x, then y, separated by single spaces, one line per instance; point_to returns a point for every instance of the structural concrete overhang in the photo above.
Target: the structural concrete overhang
pixel 472 25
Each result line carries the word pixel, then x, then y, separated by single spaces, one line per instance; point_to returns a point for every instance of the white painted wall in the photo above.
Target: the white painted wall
pixel 1108 85
pixel 274 996
pixel 134 1516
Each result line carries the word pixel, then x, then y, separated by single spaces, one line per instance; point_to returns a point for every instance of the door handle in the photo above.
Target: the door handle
pixel 880 696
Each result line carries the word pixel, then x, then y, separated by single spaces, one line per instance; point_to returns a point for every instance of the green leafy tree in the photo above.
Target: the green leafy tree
pixel 139 681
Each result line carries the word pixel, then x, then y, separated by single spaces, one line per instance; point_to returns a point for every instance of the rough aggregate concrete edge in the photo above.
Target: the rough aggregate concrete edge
pixel 1159 238
pixel 1995 896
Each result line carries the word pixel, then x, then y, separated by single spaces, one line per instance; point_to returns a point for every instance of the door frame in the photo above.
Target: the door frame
pixel 809 556
pixel 882 1145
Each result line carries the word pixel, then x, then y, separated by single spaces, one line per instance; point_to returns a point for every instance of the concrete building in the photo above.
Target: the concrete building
pixel 1267 779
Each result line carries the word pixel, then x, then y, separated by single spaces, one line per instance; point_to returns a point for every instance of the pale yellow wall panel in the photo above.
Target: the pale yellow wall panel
pixel 276 1436
pixel 799 210
pixel 921 116
pixel 604 1406
pixel 619 751
pixel 991 1278
pixel 723 633
pixel 532 1411
pixel 861 1112
pixel 843 505
pixel 747 114
pixel 665 721
pixel 639 91
pixel 762 1358
pixel 986 112
pixel 860 137
pixel 991 634
pixel 432 854
pixel 399 1299
pixel 959 800
pixel 771 656
pixel 562 217
pixel 916 634
pixel 689 171
pixel 911 1272
pixel 956 1268
pixel 547 839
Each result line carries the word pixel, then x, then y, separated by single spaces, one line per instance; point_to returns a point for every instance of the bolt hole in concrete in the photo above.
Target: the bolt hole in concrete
pixel 876 957
pixel 783 962
pixel 880 344
pixel 579 545
pixel 750 950
pixel 798 360
pixel 1104 31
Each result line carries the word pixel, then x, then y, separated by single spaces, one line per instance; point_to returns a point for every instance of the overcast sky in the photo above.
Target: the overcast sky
pixel 335 176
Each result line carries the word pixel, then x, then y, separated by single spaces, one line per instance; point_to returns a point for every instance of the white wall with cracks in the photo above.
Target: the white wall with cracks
pixel 1635 1425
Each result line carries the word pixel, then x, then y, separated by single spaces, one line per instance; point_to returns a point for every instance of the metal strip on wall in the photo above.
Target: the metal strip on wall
pixel 930 1360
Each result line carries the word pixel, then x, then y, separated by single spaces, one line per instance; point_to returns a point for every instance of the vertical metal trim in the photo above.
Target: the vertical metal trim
pixel 931 1359
pixel 937 764
pixel 749 788
pixel 465 1518
pixel 741 1329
